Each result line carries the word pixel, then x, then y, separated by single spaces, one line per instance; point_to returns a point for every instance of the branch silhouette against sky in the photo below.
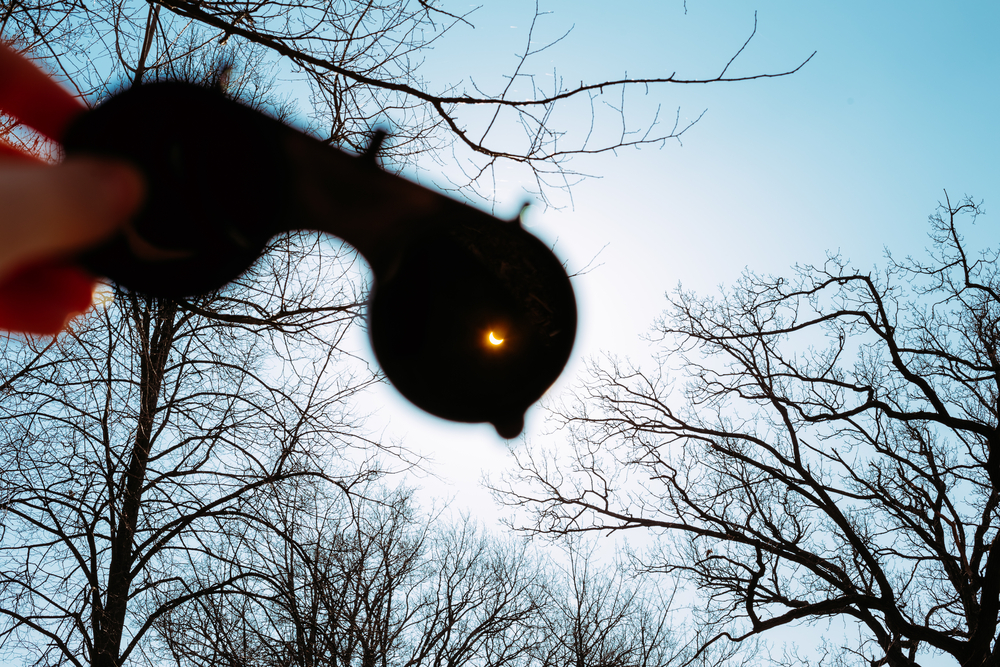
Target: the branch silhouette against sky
pixel 819 447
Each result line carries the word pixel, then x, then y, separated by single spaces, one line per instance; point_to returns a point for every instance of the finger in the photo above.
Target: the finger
pixel 41 298
pixel 8 151
pixel 51 211
pixel 28 94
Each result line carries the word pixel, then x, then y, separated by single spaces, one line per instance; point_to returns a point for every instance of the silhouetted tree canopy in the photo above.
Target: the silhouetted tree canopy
pixel 827 449
pixel 169 468
pixel 361 63
pixel 385 584
pixel 134 444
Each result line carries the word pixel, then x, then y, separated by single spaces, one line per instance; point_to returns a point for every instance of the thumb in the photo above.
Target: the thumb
pixel 48 211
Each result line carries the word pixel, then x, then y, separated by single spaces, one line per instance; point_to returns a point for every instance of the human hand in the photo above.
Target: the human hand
pixel 49 213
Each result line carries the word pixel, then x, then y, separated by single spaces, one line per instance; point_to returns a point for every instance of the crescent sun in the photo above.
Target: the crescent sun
pixel 494 339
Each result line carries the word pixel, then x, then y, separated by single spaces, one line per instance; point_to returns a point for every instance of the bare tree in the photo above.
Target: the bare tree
pixel 599 616
pixel 835 455
pixel 131 443
pixel 376 585
pixel 361 63
pixel 384 585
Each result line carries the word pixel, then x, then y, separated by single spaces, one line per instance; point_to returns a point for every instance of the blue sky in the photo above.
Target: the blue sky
pixel 851 153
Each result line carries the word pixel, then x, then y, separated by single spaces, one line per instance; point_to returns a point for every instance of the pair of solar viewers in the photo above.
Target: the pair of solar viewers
pixel 472 318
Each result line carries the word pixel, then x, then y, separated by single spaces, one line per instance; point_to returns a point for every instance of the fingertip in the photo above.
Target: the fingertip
pixel 29 94
pixel 40 299
pixel 63 210
pixel 100 195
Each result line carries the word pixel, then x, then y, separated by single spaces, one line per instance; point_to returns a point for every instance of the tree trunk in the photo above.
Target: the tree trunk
pixel 156 333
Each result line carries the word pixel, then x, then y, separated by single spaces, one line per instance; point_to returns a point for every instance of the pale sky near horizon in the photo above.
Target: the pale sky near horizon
pixel 853 153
